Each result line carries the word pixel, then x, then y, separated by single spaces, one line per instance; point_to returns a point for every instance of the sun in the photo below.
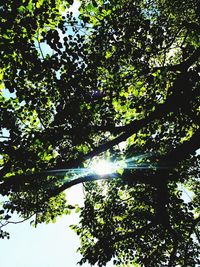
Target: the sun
pixel 103 167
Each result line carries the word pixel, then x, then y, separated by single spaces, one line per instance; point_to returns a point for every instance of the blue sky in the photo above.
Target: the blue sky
pixel 48 245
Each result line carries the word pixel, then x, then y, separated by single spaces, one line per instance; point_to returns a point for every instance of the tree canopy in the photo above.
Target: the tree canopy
pixel 119 81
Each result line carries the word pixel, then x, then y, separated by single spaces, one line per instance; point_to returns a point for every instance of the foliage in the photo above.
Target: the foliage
pixel 80 86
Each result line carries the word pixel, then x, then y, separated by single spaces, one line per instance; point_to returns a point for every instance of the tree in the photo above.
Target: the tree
pixel 123 71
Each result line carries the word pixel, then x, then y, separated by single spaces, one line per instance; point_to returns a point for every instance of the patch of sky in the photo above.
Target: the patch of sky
pixel 72 28
pixel 42 47
pixel 150 11
pixel 198 152
pixel 4 135
pixel 7 95
pixel 53 244
pixel 186 194
pixel 74 8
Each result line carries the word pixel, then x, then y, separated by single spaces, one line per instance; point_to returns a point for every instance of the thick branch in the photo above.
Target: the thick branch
pixel 88 178
pixel 183 66
pixel 183 151
pixel 173 157
pixel 179 99
pixel 160 111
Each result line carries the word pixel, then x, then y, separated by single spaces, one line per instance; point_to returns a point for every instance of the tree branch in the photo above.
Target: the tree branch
pixel 183 66
pixel 89 178
pixel 177 155
pixel 17 222
pixel 183 151
pixel 172 158
pixel 178 99
pixel 4 137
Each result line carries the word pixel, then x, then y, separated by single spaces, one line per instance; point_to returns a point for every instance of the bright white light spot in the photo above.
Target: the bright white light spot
pixel 122 145
pixel 74 195
pixel 74 8
pixel 103 167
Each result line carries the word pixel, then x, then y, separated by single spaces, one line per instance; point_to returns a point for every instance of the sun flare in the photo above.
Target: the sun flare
pixel 103 167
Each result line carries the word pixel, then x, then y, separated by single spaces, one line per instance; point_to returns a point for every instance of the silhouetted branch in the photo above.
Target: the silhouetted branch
pixel 174 102
pixel 172 158
pixel 183 66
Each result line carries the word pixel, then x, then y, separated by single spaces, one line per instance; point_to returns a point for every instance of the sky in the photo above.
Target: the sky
pixel 48 245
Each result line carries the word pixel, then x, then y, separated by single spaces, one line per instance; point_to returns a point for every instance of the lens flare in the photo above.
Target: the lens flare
pixel 103 167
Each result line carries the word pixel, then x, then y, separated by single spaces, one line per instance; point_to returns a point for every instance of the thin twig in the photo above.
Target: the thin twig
pixel 17 222
pixel 39 46
pixel 6 137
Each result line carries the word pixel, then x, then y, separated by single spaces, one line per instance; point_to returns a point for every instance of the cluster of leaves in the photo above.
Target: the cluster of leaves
pixel 147 62
pixel 79 86
pixel 29 77
pixel 123 225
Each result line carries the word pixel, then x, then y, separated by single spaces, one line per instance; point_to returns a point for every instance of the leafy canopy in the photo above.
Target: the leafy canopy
pixel 122 71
